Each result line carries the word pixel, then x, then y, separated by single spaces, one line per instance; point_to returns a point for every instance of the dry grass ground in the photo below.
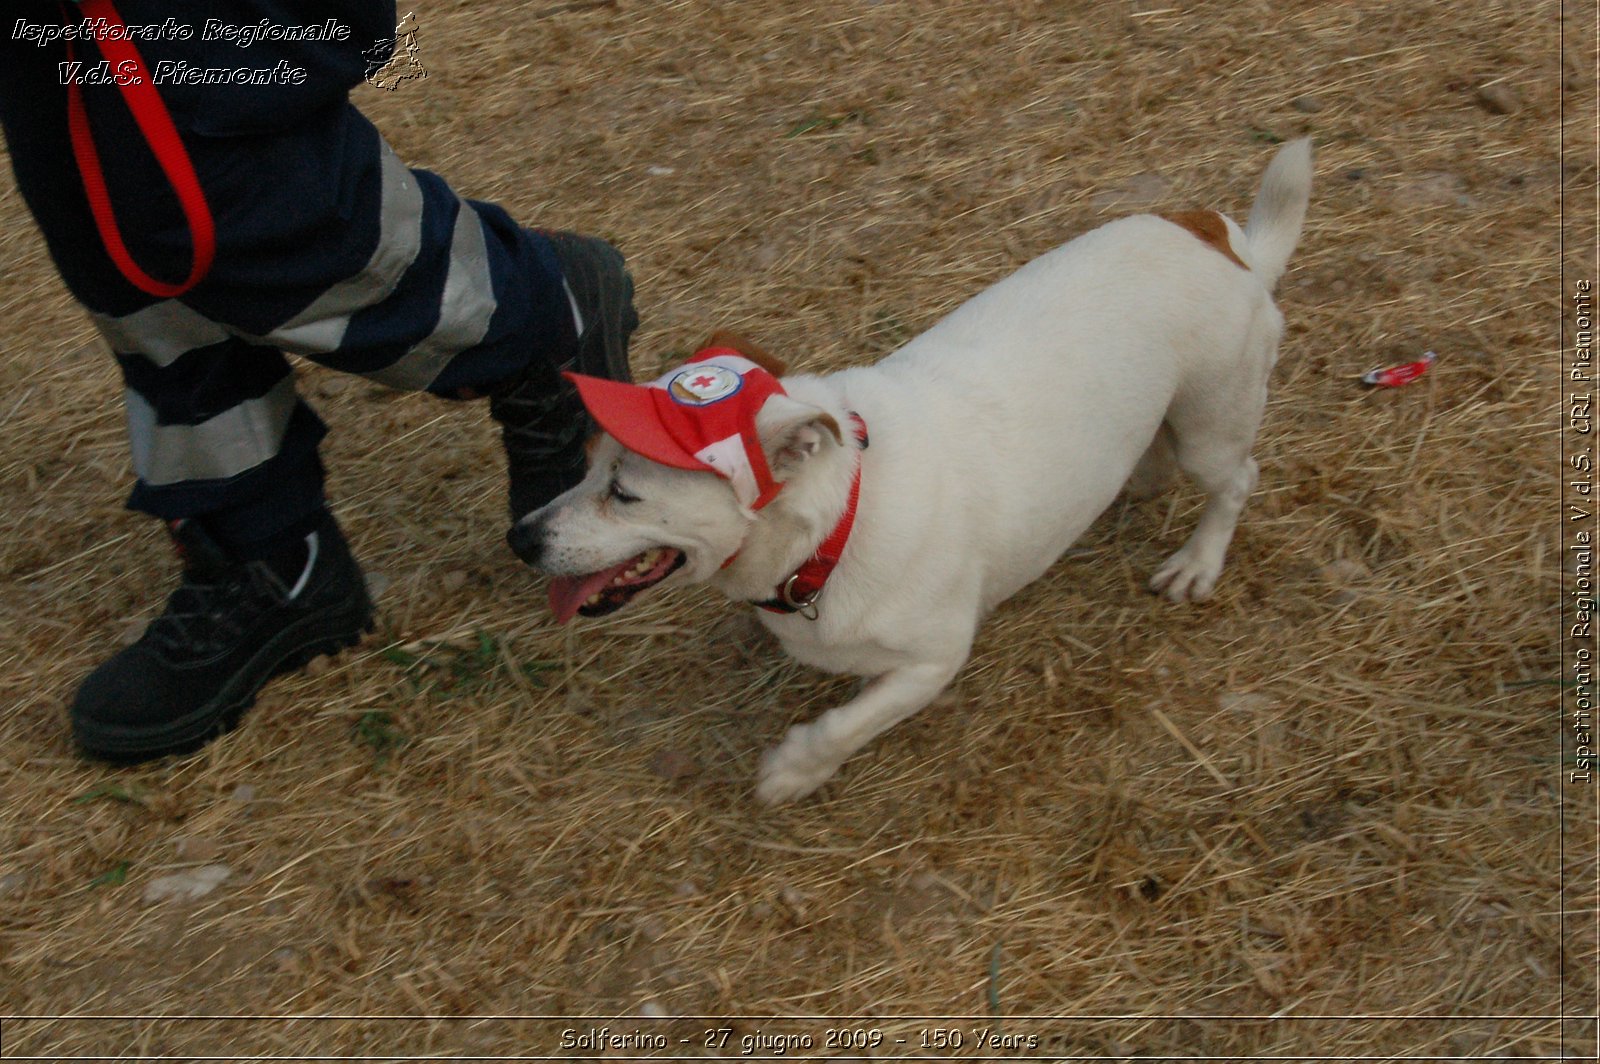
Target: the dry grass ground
pixel 1278 824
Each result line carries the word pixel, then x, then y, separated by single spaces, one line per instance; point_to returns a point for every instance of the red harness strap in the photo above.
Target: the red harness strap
pixel 148 110
pixel 798 594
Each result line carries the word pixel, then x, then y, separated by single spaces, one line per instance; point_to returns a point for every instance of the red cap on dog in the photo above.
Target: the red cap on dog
pixel 701 415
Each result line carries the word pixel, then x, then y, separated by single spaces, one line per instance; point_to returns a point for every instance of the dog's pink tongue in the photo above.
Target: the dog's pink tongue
pixel 567 593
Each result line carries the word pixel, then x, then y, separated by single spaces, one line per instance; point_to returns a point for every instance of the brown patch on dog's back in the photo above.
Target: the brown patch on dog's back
pixel 1209 227
pixel 733 341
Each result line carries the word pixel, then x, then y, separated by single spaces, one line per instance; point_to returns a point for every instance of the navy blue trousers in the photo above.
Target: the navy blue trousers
pixel 328 248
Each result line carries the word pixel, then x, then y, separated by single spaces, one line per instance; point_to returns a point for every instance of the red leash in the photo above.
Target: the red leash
pixel 148 110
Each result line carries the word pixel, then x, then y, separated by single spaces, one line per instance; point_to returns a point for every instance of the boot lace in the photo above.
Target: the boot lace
pixel 209 611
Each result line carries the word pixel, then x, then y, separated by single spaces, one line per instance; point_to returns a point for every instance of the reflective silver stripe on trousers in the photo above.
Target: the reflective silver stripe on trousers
pixel 160 332
pixel 235 441
pixel 320 328
pixel 163 331
pixel 464 309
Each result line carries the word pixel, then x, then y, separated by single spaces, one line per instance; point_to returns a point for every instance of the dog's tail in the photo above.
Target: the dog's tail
pixel 1279 210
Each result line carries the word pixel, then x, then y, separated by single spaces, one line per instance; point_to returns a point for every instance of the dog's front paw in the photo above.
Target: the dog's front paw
pixel 1187 576
pixel 793 769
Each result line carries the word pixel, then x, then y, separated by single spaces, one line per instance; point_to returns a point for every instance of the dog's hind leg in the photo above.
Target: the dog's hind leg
pixel 1191 573
pixel 811 753
pixel 1213 432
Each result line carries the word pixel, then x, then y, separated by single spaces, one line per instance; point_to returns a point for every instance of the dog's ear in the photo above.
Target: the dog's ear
pixel 792 431
pixel 733 341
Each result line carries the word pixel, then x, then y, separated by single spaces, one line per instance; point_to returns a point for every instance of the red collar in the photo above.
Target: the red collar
pixel 798 594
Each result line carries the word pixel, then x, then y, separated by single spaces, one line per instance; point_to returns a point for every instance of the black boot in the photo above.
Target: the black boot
pixel 230 627
pixel 543 423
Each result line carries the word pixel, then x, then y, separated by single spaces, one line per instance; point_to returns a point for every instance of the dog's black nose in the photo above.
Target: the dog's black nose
pixel 526 538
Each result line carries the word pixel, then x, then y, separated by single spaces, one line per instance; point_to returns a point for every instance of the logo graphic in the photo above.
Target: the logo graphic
pixel 702 385
pixel 395 60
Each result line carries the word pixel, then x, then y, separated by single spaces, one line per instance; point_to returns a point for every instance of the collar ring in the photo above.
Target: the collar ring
pixel 805 605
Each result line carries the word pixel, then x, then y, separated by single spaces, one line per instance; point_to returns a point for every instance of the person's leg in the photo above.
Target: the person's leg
pixel 223 449
pixel 227 454
pixel 390 274
pixel 216 431
pixel 328 247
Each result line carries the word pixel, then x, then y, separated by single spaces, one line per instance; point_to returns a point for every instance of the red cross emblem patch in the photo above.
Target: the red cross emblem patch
pixel 701 385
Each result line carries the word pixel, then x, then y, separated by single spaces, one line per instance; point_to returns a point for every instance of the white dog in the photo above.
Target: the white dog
pixel 996 437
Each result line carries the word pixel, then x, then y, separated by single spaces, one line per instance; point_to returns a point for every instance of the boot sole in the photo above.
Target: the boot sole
pixel 291 649
pixel 616 319
pixel 616 315
pixel 621 318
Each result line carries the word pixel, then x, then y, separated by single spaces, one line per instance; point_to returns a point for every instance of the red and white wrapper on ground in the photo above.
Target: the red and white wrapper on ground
pixel 1394 376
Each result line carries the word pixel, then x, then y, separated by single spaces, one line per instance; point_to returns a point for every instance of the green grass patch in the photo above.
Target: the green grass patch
pixel 446 669
pixel 114 876
pixel 114 792
pixel 376 730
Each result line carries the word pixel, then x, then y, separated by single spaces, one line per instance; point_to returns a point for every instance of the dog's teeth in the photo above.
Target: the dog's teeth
pixel 592 600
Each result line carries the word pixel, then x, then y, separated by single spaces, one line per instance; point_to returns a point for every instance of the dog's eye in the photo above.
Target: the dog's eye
pixel 616 492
